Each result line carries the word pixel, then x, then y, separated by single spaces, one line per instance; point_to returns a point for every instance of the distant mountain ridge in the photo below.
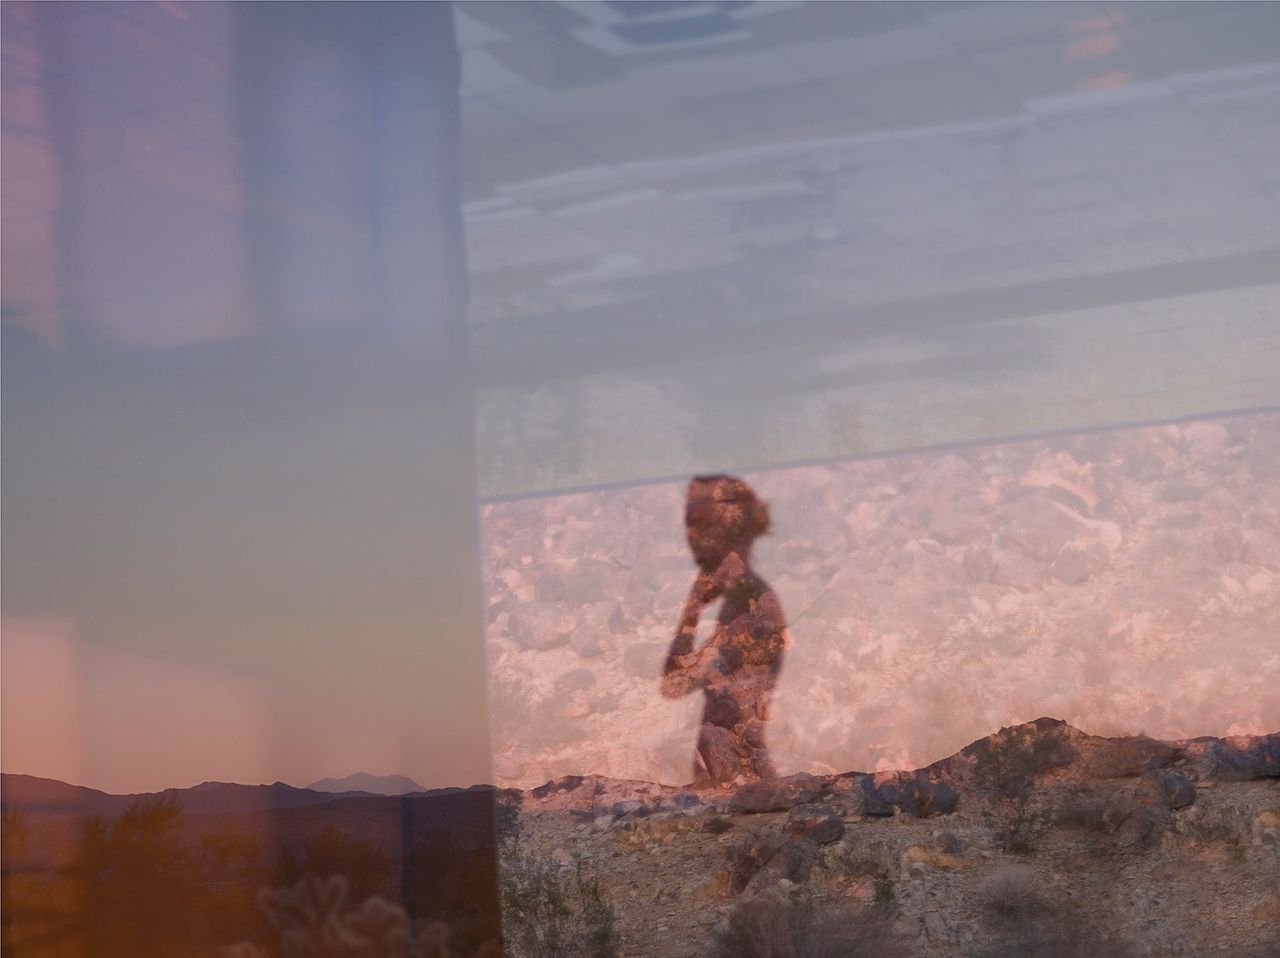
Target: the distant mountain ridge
pixel 50 798
pixel 47 797
pixel 372 784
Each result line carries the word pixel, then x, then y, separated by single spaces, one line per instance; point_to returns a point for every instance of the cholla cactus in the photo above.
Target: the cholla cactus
pixel 314 920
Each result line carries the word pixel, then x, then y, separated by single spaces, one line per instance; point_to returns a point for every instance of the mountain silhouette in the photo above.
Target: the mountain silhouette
pixel 50 798
pixel 364 782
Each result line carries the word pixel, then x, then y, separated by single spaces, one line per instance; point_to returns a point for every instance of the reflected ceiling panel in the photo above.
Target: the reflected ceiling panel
pixel 729 235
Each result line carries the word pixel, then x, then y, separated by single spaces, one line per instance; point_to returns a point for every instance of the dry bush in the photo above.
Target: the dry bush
pixel 1022 829
pixel 554 912
pixel 1011 890
pixel 1217 825
pixel 1030 925
pixel 315 919
pixel 778 926
pixel 1083 811
pixel 1052 933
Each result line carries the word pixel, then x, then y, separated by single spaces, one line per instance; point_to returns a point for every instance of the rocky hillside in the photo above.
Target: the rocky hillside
pixel 1038 840
pixel 1125 580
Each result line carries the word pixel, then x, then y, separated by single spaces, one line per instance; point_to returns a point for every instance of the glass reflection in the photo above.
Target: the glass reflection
pixel 356 358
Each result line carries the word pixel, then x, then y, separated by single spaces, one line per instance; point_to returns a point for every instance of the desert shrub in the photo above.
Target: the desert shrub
pixel 138 882
pixel 1082 810
pixel 1011 761
pixel 554 912
pixel 1021 829
pixel 1228 827
pixel 314 919
pixel 1053 933
pixel 1029 924
pixel 330 852
pixel 778 926
pixel 886 896
pixel 1011 890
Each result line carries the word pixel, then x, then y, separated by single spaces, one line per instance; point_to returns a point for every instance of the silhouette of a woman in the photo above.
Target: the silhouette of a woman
pixel 738 667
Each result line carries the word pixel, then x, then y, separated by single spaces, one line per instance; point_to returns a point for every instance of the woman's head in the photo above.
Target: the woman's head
pixel 722 515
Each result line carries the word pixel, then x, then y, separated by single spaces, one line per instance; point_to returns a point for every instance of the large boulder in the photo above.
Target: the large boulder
pixel 1241 758
pixel 767 795
pixel 936 797
pixel 874 803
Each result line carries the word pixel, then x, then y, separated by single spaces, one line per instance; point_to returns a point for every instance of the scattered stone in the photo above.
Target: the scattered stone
pixel 749 855
pixel 821 824
pixel 796 860
pixel 575 680
pixel 540 626
pixel 917 861
pixel 598 628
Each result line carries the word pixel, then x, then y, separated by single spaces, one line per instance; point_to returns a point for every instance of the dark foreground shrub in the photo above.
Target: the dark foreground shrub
pixel 1027 923
pixel 777 926
pixel 549 911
